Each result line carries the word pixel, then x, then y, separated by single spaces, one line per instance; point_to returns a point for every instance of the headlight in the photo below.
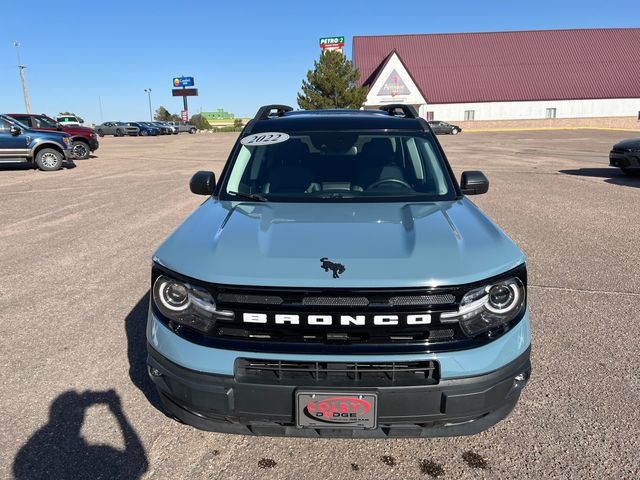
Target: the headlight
pixel 488 307
pixel 187 304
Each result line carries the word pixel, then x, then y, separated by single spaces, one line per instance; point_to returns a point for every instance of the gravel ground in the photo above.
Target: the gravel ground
pixel 75 250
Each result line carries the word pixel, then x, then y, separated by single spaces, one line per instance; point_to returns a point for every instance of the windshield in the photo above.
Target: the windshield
pixel 339 165
pixel 44 122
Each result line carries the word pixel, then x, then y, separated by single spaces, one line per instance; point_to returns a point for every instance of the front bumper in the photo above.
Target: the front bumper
pixel 477 389
pixel 94 144
pixel 226 404
pixel 68 154
pixel 630 160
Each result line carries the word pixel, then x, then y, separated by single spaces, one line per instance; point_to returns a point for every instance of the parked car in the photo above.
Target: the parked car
pixel 144 129
pixel 173 128
pixel 626 156
pixel 70 120
pixel 21 144
pixel 338 281
pixel 84 140
pixel 439 128
pixel 185 127
pixel 166 129
pixel 117 129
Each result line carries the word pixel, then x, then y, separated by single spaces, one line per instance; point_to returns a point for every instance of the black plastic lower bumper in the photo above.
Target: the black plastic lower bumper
pixel 221 403
pixel 627 160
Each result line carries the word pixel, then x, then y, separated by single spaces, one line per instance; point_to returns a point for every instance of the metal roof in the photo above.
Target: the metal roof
pixel 511 66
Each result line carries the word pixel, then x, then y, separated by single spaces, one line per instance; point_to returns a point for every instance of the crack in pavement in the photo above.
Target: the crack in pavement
pixel 585 290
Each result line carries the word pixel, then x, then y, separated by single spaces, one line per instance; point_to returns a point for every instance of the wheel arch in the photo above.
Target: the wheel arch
pixel 46 144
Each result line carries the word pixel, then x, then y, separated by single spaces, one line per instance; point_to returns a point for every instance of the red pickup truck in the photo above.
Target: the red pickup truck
pixel 84 140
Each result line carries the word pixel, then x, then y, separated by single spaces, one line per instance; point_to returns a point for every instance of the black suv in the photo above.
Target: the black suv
pixel 439 128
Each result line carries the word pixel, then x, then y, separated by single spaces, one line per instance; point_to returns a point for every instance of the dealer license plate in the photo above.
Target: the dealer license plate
pixel 336 409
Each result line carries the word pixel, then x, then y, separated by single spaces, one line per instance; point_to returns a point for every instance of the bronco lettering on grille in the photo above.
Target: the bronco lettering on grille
pixel 342 320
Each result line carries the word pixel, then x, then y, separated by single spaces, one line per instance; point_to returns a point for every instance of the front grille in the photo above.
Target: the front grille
pixel 250 299
pixel 422 300
pixel 336 301
pixel 347 374
pixel 330 320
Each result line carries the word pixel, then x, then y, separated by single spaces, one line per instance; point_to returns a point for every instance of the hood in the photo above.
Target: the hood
pixel 627 144
pixel 75 129
pixel 379 245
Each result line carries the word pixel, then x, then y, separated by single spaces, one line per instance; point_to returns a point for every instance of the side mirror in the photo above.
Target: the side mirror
pixel 15 130
pixel 203 183
pixel 474 183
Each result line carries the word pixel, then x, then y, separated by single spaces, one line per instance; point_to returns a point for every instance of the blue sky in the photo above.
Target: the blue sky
pixel 242 54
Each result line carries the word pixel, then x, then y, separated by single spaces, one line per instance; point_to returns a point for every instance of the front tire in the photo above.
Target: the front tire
pixel 192 131
pixel 454 131
pixel 100 133
pixel 119 133
pixel 144 133
pixel 49 160
pixel 81 150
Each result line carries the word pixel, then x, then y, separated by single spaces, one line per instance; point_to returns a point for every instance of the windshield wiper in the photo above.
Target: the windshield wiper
pixel 250 196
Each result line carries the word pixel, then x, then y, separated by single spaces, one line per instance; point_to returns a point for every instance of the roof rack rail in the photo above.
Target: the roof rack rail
pixel 408 110
pixel 265 111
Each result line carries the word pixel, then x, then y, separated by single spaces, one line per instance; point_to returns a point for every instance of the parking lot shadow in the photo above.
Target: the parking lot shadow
pixel 613 175
pixel 58 450
pixel 135 326
pixel 68 165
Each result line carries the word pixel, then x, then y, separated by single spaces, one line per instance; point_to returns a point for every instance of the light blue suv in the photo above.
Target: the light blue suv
pixel 337 282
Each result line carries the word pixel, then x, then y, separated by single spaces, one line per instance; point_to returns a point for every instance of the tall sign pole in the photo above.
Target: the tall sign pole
pixel 184 92
pixel 148 90
pixel 22 80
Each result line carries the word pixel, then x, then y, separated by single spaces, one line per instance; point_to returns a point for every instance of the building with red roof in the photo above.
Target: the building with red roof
pixel 505 75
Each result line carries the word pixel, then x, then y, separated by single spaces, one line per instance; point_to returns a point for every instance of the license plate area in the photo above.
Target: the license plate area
pixel 336 409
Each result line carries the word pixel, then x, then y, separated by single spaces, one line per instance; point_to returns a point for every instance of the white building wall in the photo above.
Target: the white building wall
pixel 616 107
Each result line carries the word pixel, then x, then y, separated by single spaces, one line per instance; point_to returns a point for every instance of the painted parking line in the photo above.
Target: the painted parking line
pixel 476 130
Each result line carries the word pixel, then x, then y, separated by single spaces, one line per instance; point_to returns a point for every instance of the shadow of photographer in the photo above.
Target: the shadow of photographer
pixel 58 450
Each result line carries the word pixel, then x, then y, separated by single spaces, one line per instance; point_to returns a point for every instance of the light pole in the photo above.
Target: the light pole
pixel 22 80
pixel 148 90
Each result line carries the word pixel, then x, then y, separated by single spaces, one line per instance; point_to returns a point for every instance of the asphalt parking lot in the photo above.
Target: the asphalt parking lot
pixel 75 251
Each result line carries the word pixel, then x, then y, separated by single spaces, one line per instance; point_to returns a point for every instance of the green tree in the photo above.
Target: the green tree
pixel 332 84
pixel 200 122
pixel 162 114
pixel 175 118
pixel 237 123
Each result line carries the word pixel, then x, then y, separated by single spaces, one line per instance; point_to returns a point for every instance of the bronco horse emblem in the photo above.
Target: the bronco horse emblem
pixel 336 268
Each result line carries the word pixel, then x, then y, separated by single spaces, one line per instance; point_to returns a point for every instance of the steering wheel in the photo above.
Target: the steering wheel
pixel 389 180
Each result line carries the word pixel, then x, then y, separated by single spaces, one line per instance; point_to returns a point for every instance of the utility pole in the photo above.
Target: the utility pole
pixel 148 90
pixel 24 83
pixel 100 103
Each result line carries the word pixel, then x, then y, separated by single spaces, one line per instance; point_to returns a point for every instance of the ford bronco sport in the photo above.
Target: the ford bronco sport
pixel 337 282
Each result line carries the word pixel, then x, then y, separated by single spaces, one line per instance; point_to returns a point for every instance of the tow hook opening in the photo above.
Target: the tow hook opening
pixel 520 381
pixel 153 372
